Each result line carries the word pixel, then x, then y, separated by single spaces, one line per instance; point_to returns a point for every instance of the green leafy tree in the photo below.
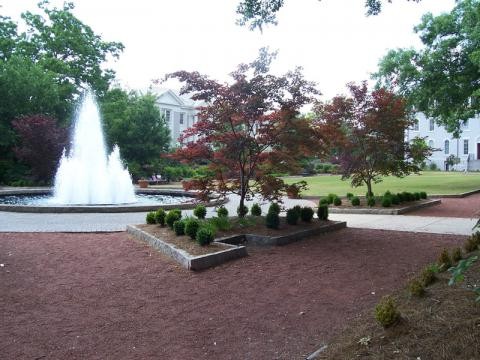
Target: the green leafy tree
pixel 133 122
pixel 442 79
pixel 257 13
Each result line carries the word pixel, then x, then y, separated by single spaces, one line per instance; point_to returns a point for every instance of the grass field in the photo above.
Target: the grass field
pixel 431 182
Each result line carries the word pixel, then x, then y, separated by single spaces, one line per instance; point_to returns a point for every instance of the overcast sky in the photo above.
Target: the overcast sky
pixel 331 39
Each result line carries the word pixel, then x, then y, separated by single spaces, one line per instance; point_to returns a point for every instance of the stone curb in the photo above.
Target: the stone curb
pixel 185 259
pixel 462 195
pixel 385 211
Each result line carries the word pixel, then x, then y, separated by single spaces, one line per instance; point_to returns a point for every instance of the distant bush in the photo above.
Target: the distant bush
pixel 292 216
pixel 337 201
pixel 456 255
pixel 306 214
pixel 386 312
pixel 423 194
pixel 322 212
pixel 242 212
pixel 160 215
pixel 272 220
pixel 274 208
pixel 401 197
pixel 150 219
pixel 200 211
pixel 416 288
pixel 172 216
pixel 433 167
pixel 204 236
pixel 428 275
pixel 191 227
pixel 417 196
pixel 371 201
pixel 395 199
pixel 256 210
pixel 222 211
pixel 355 201
pixel 179 227
pixel 444 260
pixel 386 201
pixel 323 201
pixel 387 193
pixel 331 198
pixel 349 196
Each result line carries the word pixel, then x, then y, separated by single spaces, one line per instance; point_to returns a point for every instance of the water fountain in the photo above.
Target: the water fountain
pixel 86 175
pixel 87 180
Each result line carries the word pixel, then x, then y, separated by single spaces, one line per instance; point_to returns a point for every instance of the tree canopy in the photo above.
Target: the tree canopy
pixel 248 131
pixel 442 79
pixel 366 132
pixel 257 13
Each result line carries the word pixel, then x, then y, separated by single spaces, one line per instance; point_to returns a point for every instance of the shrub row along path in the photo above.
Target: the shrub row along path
pixel 98 296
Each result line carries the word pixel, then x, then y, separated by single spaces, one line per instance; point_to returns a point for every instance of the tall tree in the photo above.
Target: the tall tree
pixel 248 130
pixel 257 13
pixel 442 79
pixel 134 123
pixel 367 131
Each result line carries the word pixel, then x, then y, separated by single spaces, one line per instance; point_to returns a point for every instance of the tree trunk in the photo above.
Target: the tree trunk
pixel 243 192
pixel 369 187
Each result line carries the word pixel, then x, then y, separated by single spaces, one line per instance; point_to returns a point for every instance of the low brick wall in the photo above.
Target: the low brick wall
pixel 384 211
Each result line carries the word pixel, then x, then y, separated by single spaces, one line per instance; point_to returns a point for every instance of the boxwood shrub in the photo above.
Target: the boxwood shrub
pixel 191 227
pixel 222 211
pixel 256 210
pixel 337 201
pixel 272 220
pixel 386 201
pixel 306 214
pixel 172 216
pixel 160 215
pixel 200 211
pixel 355 201
pixel 204 236
pixel 322 212
pixel 150 219
pixel 179 227
pixel 423 194
pixel 274 208
pixel 292 216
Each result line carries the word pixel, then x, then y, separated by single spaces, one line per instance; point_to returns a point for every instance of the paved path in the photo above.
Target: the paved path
pixel 26 222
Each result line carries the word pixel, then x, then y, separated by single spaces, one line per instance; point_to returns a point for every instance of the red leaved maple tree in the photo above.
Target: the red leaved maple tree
pixel 366 133
pixel 248 131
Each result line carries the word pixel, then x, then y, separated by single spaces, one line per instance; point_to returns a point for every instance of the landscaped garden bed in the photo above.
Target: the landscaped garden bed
pixel 386 204
pixel 199 243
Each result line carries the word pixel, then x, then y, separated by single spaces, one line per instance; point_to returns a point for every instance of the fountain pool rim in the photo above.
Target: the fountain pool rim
pixel 120 208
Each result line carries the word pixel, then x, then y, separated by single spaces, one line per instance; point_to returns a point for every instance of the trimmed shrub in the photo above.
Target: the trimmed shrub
pixel 349 196
pixel 386 312
pixel 355 201
pixel 204 236
pixel 386 201
pixel 242 212
pixel 292 216
pixel 444 260
pixel 172 216
pixel 272 220
pixel 369 195
pixel 387 193
pixel 160 215
pixel 423 194
pixel 416 288
pixel 306 214
pixel 395 199
pixel 331 197
pixel 401 197
pixel 298 209
pixel 274 208
pixel 428 275
pixel 222 211
pixel 371 201
pixel 323 201
pixel 150 219
pixel 200 211
pixel 416 196
pixel 337 201
pixel 322 212
pixel 456 255
pixel 256 210
pixel 179 227
pixel 191 227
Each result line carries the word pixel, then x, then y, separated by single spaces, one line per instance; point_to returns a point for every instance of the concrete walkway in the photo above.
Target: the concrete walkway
pixel 28 222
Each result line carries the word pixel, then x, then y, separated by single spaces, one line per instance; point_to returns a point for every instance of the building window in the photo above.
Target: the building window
pixel 432 125
pixel 465 146
pixel 167 115
pixel 447 147
pixel 181 118
pixel 415 125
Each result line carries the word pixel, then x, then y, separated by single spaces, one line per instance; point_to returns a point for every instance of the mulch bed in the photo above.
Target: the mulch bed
pixel 99 296
pixel 467 207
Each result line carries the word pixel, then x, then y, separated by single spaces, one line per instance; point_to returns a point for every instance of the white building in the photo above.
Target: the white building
pixel 466 147
pixel 179 111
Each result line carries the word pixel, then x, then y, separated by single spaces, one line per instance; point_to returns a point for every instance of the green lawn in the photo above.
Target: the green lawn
pixel 431 182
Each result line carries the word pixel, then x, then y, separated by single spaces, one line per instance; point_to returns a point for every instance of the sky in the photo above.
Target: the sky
pixel 332 40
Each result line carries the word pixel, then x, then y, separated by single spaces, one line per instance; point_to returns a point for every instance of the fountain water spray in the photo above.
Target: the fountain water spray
pixel 86 175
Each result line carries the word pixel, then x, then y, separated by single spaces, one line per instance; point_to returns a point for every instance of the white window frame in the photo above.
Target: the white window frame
pixel 432 125
pixel 466 142
pixel 446 145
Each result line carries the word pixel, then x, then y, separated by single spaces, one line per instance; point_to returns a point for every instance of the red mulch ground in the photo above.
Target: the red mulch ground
pixel 107 296
pixel 467 207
